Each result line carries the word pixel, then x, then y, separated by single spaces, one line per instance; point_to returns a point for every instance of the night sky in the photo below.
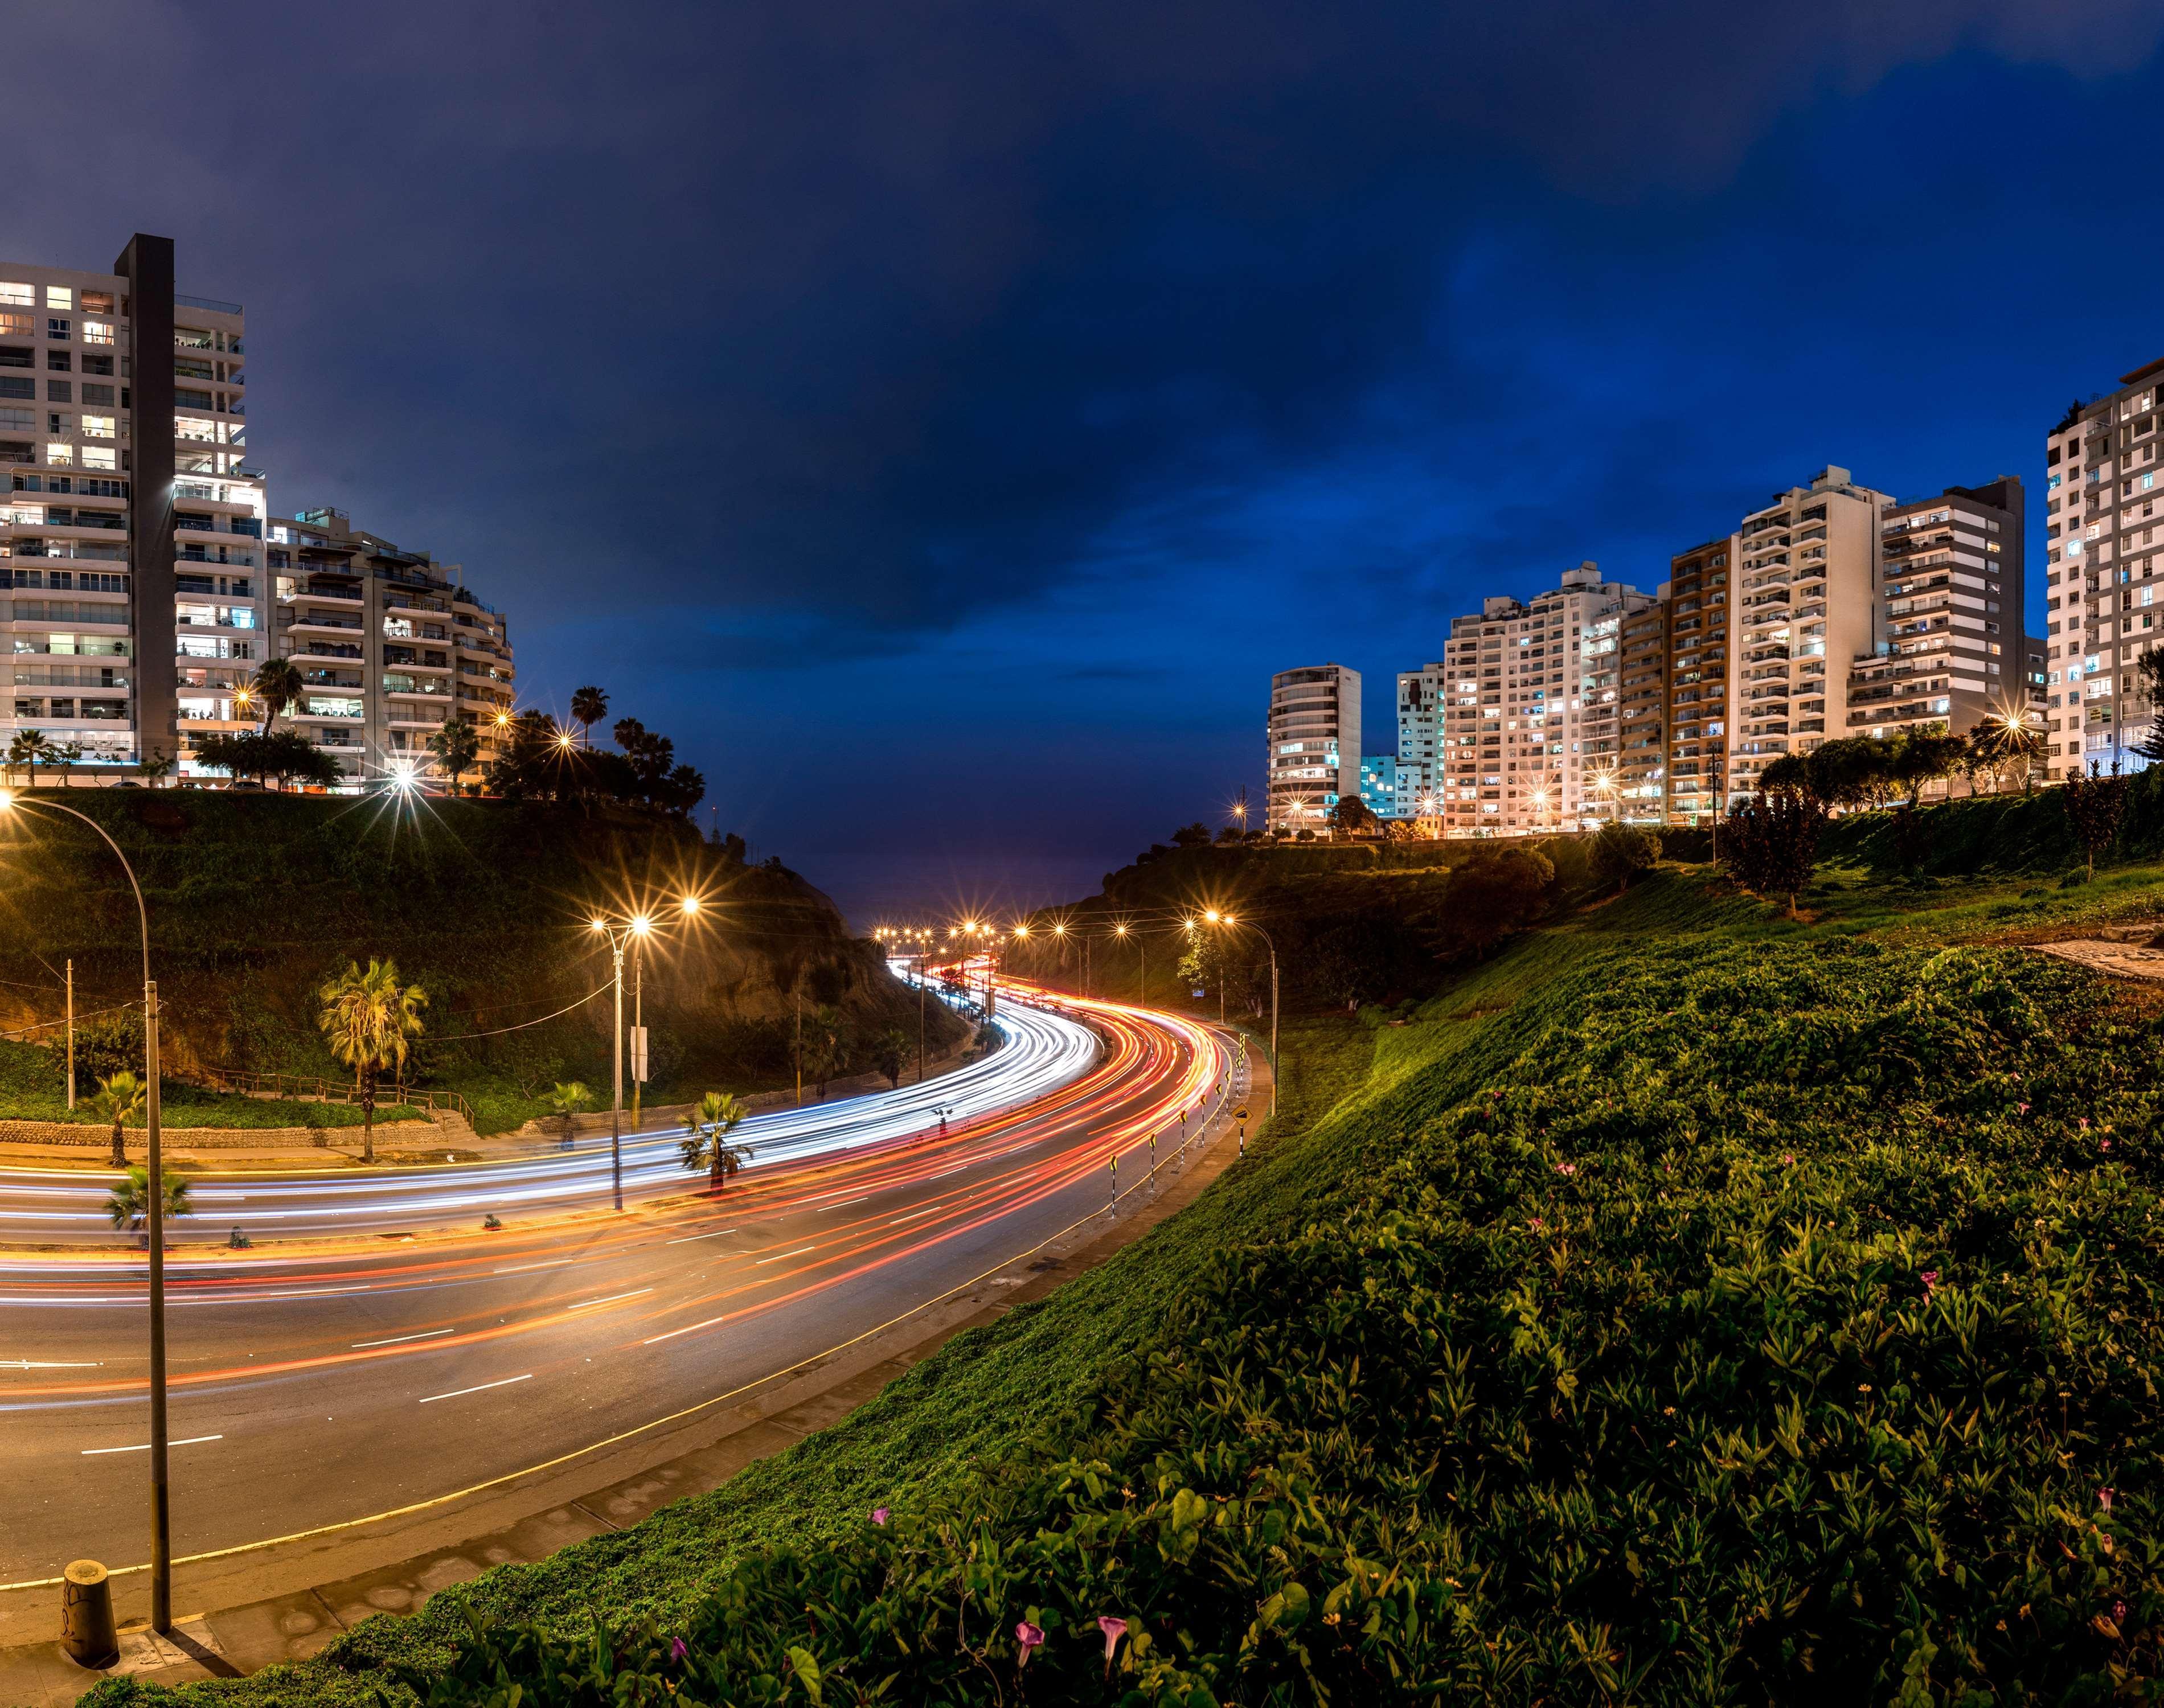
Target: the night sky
pixel 943 418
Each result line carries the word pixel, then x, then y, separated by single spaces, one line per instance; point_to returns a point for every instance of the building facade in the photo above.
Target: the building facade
pixel 1383 788
pixel 1422 696
pixel 1638 790
pixel 1807 583
pixel 1701 678
pixel 131 543
pixel 1314 744
pixel 2103 596
pixel 1532 718
pixel 1950 649
pixel 389 644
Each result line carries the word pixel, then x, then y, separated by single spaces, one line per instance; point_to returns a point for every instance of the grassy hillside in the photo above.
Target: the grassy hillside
pixel 255 899
pixel 1686 1305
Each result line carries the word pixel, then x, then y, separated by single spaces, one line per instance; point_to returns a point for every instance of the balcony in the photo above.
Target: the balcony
pixel 315 620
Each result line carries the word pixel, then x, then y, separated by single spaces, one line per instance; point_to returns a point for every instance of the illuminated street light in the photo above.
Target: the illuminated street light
pixel 622 932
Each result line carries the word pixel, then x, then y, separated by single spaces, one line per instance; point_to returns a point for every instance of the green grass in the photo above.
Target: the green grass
pixel 33 1088
pixel 1570 1342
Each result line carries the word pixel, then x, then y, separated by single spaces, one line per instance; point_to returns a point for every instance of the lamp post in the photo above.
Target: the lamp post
pixel 162 1509
pixel 1232 923
pixel 624 931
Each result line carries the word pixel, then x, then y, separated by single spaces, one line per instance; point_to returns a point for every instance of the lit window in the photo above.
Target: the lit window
pixel 100 457
pixel 59 456
pixel 97 332
pixel 58 296
pixel 97 426
pixel 17 295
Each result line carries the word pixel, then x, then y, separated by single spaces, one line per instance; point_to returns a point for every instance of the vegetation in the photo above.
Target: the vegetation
pixel 34 1087
pixel 707 1146
pixel 120 1098
pixel 2095 804
pixel 566 1100
pixel 371 1019
pixel 269 755
pixel 541 760
pixel 129 1204
pixel 456 746
pixel 1688 1304
pixel 1621 852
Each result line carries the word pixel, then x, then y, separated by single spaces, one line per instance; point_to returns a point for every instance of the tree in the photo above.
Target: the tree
pixel 1787 772
pixel 67 756
pixel 1772 842
pixel 719 1114
pixel 368 1017
pixel 157 766
pixel 1924 755
pixel 1352 815
pixel 825 1051
pixel 456 746
pixel 278 684
pixel 1621 852
pixel 1194 835
pixel 129 1205
pixel 589 705
pixel 565 1101
pixel 119 1098
pixel 2006 743
pixel 27 750
pixel 2149 682
pixel 2094 805
pixel 891 1053
pixel 283 755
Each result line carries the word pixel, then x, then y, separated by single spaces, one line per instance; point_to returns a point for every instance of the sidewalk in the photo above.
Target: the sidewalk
pixel 284 1604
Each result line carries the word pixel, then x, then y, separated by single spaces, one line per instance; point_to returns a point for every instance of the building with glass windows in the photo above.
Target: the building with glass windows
pixel 1314 744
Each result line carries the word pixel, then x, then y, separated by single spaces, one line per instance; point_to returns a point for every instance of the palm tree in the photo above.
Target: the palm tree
pixel 119 1100
pixel 719 1114
pixel 456 746
pixel 28 750
pixel 827 1052
pixel 129 1205
pixel 589 705
pixel 368 1017
pixel 278 684
pixel 565 1101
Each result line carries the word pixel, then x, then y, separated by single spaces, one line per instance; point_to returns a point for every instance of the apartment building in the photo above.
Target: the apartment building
pixel 1383 789
pixel 1700 679
pixel 1635 789
pixel 1532 718
pixel 390 644
pixel 1314 744
pixel 131 548
pixel 1422 694
pixel 1807 580
pixel 2102 591
pixel 1950 651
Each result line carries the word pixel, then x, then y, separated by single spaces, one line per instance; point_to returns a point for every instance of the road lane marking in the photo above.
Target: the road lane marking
pixel 686 1329
pixel 520 1269
pixel 778 1255
pixel 395 1339
pixel 688 1237
pixel 844 1205
pixel 482 1389
pixel 145 1447
pixel 35 1363
pixel 610 1300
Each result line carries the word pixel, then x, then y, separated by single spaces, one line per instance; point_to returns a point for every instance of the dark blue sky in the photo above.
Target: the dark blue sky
pixel 943 418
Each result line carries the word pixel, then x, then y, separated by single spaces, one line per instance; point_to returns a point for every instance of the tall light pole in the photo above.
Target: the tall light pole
pixel 161 1506
pixel 1231 922
pixel 624 931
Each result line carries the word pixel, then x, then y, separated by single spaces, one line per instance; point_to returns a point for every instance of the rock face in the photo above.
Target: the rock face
pixel 2121 952
pixel 256 899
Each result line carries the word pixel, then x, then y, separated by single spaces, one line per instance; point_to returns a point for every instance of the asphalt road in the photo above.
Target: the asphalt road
pixel 323 1382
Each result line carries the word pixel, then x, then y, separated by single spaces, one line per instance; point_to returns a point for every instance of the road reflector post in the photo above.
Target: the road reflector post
pixel 87 1632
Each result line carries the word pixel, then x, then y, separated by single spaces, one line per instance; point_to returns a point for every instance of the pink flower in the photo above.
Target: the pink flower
pixel 1566 1168
pixel 1788 1156
pixel 2021 1108
pixel 2107 1144
pixel 1113 1629
pixel 1535 1224
pixel 2104 1499
pixel 879 1515
pixel 2085 1123
pixel 679 1649
pixel 2119 1612
pixel 1029 1636
pixel 1930 1280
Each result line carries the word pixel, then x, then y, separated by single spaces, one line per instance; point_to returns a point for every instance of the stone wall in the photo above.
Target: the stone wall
pixel 88 1136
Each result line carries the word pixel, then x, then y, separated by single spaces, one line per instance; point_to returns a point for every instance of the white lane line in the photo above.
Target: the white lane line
pixel 145 1447
pixel 36 1364
pixel 927 1210
pixel 520 1269
pixel 611 1299
pixel 395 1339
pixel 688 1237
pixel 778 1255
pixel 844 1205
pixel 482 1389
pixel 658 1338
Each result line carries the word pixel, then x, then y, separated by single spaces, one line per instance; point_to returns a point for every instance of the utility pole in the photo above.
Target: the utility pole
pixel 638 1030
pixel 920 1017
pixel 71 1033
pixel 797 992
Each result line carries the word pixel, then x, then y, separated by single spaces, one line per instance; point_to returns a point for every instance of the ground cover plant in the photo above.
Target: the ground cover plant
pixel 1686 1306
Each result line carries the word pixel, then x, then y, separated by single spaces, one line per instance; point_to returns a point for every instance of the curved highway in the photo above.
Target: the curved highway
pixel 320 1385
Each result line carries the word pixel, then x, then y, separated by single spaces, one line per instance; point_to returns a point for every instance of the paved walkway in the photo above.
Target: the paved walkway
pixel 270 1613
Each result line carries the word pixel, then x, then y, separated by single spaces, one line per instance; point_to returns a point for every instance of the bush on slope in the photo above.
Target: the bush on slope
pixel 1744 1336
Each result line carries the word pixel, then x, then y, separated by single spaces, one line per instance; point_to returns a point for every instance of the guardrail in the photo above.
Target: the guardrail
pixel 330 1091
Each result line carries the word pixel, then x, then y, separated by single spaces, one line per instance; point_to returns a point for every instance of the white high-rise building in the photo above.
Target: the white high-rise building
pixel 1422 696
pixel 1530 731
pixel 1314 751
pixel 131 539
pixel 2102 592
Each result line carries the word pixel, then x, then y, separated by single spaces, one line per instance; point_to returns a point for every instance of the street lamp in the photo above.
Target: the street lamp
pixel 161 1513
pixel 624 931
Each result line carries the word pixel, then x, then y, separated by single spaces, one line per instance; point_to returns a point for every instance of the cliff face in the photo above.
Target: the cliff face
pixel 254 899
